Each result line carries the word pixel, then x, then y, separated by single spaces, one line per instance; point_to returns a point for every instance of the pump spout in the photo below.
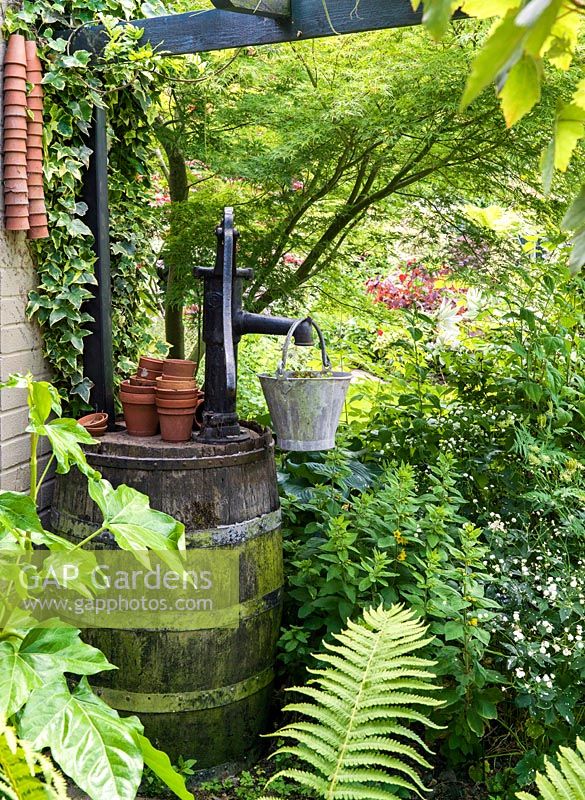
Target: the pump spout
pixel 245 322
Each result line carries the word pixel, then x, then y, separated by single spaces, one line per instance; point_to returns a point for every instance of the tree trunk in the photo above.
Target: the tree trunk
pixel 179 192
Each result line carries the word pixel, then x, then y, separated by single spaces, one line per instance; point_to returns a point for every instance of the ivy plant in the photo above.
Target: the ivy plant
pixel 126 79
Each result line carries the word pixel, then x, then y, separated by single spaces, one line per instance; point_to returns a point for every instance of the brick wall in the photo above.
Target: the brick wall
pixel 20 351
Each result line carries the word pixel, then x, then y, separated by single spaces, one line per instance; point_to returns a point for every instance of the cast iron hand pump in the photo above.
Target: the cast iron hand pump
pixel 224 324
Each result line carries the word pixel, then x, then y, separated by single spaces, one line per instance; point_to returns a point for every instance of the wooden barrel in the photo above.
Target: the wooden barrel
pixel 202 694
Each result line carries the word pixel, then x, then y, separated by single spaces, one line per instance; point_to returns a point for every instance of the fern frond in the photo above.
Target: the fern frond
pixel 26 773
pixel 355 742
pixel 565 781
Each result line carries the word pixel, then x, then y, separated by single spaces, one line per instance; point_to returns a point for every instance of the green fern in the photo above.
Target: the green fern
pixel 565 781
pixel 355 743
pixel 26 774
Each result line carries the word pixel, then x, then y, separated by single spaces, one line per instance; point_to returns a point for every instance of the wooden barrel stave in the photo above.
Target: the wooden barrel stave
pixel 201 694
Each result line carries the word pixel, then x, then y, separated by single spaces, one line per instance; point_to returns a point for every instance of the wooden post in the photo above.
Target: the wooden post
pixel 98 352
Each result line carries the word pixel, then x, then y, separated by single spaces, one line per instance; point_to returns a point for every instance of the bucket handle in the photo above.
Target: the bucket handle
pixel 287 341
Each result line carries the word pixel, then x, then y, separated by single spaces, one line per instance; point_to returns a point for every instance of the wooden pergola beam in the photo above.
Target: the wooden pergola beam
pixel 201 31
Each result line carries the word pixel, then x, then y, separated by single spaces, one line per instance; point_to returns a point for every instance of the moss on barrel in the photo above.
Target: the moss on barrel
pixel 204 693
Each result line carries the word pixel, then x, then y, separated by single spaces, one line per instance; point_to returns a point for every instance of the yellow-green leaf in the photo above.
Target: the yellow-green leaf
pixel 569 129
pixel 485 9
pixel 521 91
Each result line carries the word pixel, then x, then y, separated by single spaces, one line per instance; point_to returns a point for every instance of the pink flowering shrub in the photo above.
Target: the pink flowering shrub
pixel 414 287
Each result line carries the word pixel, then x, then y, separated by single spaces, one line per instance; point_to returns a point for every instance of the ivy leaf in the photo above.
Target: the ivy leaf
pixel 135 525
pixel 574 220
pixel 521 90
pixel 160 764
pixel 88 739
pixel 65 436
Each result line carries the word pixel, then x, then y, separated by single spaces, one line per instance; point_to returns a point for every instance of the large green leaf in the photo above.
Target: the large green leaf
pixel 569 129
pixel 521 91
pixel 135 525
pixel 436 16
pixel 160 764
pixel 88 739
pixel 18 512
pixel 65 435
pixel 17 679
pixel 51 651
pixel 43 655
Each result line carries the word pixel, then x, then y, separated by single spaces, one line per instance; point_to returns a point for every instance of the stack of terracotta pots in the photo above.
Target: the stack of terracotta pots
pixel 95 424
pixel 24 204
pixel 137 396
pixel 34 142
pixel 16 209
pixel 177 399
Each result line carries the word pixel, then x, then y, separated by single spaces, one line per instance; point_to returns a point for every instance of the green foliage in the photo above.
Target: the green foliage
pixel 355 739
pixel 103 752
pixel 25 773
pixel 126 79
pixel 567 780
pixel 523 39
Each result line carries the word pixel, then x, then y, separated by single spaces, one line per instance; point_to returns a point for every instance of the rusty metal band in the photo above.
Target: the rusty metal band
pixel 170 702
pixel 151 464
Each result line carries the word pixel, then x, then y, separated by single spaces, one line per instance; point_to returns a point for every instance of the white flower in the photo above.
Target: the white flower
pixel 520 672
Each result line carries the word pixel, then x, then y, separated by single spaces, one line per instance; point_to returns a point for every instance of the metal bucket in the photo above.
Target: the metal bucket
pixel 305 409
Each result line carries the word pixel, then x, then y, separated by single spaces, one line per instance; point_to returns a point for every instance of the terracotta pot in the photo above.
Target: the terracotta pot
pixel 36 193
pixel 34 128
pixel 130 388
pixel 15 49
pixel 37 90
pixel 17 98
pixel 14 85
pixel 149 363
pixel 189 402
pixel 34 165
pixel 37 220
pixel 198 418
pixel 15 172
pixel 15 123
pixel 93 420
pixel 34 153
pixel 35 121
pixel 140 415
pixel 34 178
pixel 163 383
pixel 15 71
pixel 15 160
pixel 97 432
pixel 38 233
pixel 15 111
pixel 36 207
pixel 34 140
pixel 16 211
pixel 34 76
pixel 32 57
pixel 176 424
pixel 16 198
pixel 15 185
pixel 15 146
pixel 178 394
pixel 141 382
pixel 16 223
pixel 35 104
pixel 179 366
pixel 17 134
